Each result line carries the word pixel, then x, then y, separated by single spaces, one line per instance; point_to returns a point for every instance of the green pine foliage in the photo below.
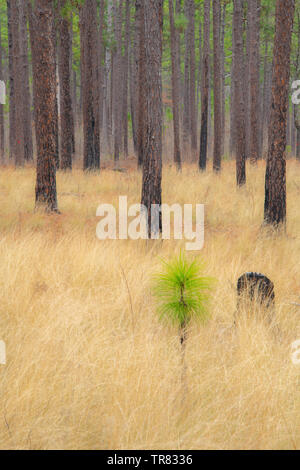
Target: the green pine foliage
pixel 182 291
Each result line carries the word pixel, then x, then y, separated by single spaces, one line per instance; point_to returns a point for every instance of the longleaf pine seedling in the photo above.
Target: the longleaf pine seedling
pixel 182 292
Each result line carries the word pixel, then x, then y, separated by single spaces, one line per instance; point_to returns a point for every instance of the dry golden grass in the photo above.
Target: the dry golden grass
pixel 89 366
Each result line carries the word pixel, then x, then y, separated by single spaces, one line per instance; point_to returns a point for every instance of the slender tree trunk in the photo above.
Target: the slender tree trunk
pixel 175 86
pixel 187 83
pixel 44 83
pixel 152 165
pixel 217 86
pixel 90 88
pixel 12 120
pixel 27 119
pixel 54 39
pixel 126 73
pixel 140 6
pixel 18 147
pixel 254 28
pixel 275 190
pixel 2 128
pixel 205 87
pixel 193 108
pixel 223 76
pixel 118 81
pixel 239 97
pixel 66 117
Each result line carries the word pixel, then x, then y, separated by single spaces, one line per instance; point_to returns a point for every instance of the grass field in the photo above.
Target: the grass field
pixel 89 364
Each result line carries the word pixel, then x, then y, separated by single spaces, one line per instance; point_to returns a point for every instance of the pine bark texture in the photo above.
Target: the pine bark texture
pixel 275 186
pixel 152 165
pixel 45 97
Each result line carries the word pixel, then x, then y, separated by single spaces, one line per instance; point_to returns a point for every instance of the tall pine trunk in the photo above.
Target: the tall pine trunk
pixel 205 87
pixel 44 83
pixel 152 165
pixel 217 86
pixel 275 187
pixel 175 86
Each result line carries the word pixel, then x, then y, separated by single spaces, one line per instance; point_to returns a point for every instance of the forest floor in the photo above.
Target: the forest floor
pixel 89 364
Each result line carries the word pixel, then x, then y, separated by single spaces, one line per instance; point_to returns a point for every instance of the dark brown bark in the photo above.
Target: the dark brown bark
pixel 186 125
pixel 152 165
pixel 193 109
pixel 140 6
pixel 44 82
pixel 254 28
pixel 54 39
pixel 205 87
pixel 240 122
pixel 217 86
pixel 2 129
pixel 125 75
pixel 117 81
pixel 275 189
pixel 27 118
pixel 175 86
pixel 18 147
pixel 223 97
pixel 66 117
pixel 90 89
pixel 12 120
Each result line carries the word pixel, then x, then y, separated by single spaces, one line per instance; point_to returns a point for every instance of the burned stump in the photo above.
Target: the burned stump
pixel 255 288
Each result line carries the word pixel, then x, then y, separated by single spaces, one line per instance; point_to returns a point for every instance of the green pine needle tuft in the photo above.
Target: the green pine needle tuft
pixel 182 292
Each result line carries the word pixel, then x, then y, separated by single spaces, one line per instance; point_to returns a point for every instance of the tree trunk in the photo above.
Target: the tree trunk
pixel 28 144
pixel 12 120
pixel 18 147
pixel 90 89
pixel 66 118
pixel 126 73
pixel 140 6
pixel 152 165
pixel 275 189
pixel 254 28
pixel 44 83
pixel 2 129
pixel 175 86
pixel 240 123
pixel 193 109
pixel 205 87
pixel 217 86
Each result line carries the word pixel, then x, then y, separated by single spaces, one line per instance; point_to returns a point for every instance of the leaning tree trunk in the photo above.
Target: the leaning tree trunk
pixel 152 165
pixel 44 84
pixel 275 189
pixel 205 87
pixel 66 117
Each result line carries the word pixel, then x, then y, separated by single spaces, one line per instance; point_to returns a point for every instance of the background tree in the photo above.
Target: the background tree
pixel 275 186
pixel 205 86
pixel 45 96
pixel 152 165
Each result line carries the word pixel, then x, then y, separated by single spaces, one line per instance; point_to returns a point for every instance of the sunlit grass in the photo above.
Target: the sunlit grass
pixel 89 364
